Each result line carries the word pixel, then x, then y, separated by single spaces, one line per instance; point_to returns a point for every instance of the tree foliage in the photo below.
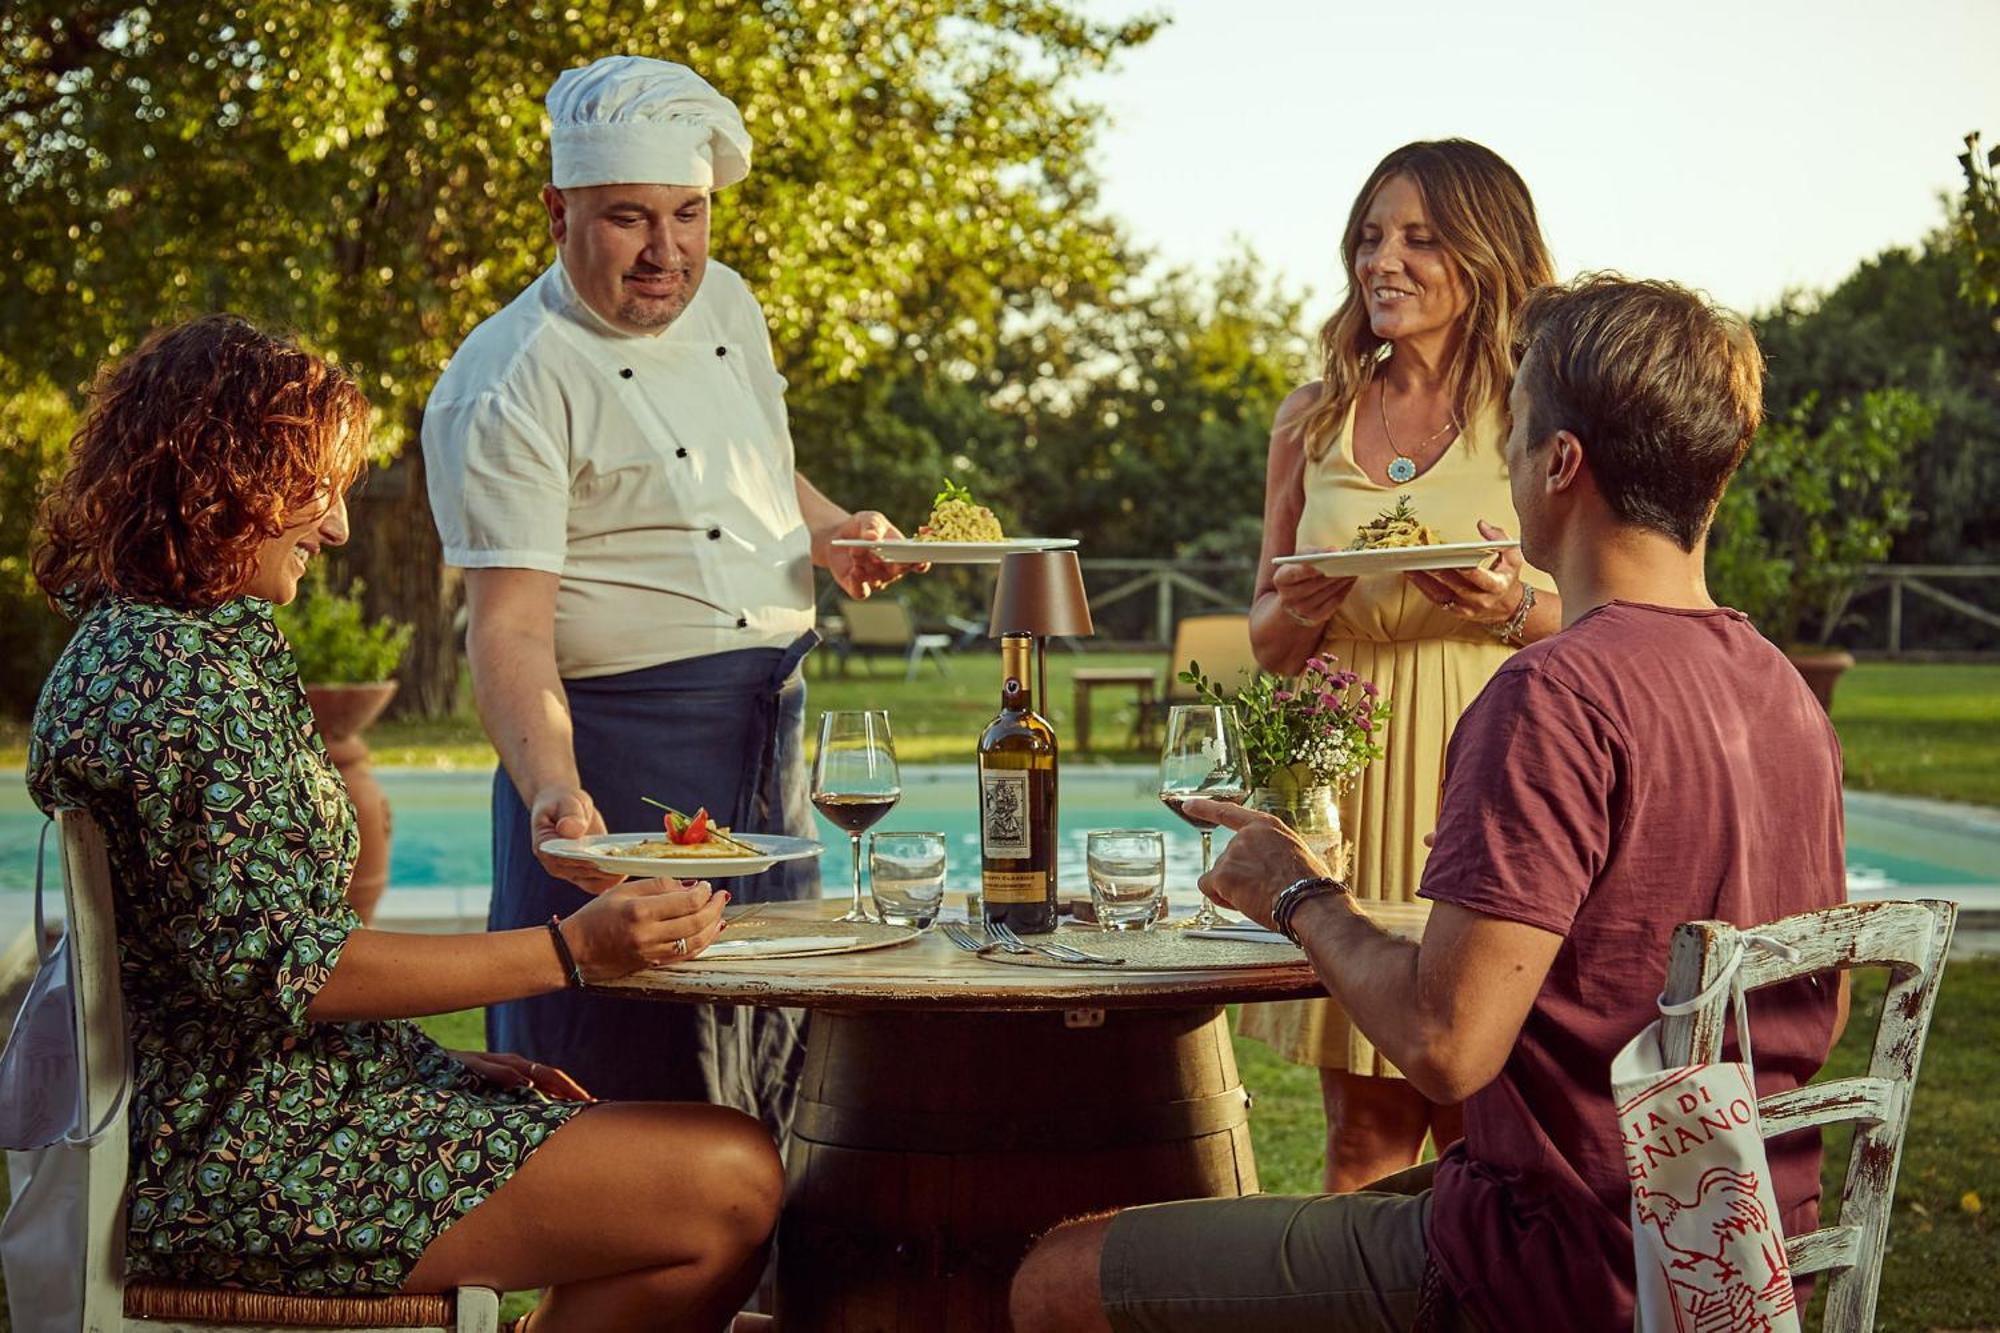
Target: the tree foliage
pixel 1811 508
pixel 365 174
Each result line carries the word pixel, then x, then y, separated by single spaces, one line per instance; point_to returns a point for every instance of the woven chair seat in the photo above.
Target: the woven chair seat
pixel 233 1305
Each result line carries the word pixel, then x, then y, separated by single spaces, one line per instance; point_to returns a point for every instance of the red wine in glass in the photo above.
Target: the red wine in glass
pixel 855 814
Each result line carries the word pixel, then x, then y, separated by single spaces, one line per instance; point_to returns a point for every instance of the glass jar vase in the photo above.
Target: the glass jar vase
pixel 1311 812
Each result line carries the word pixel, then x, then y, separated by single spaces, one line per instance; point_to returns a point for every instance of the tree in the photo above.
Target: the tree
pixel 366 174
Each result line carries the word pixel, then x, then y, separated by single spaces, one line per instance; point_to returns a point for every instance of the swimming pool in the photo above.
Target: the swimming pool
pixel 441 840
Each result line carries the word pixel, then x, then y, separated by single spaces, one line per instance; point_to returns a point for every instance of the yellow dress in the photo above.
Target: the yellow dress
pixel 1429 663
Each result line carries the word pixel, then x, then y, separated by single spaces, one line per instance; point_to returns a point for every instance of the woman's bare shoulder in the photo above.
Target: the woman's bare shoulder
pixel 1292 413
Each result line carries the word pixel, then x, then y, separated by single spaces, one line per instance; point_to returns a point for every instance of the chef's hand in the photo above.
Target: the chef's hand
pixel 567 812
pixel 1262 859
pixel 1480 595
pixel 858 570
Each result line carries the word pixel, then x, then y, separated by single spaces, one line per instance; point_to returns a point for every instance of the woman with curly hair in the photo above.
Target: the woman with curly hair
pixel 1441 249
pixel 289 1132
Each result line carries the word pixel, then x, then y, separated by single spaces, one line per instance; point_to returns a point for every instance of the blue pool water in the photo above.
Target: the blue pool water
pixel 442 840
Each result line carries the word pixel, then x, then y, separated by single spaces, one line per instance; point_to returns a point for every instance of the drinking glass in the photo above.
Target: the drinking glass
pixel 854 780
pixel 1203 757
pixel 906 876
pixel 1128 873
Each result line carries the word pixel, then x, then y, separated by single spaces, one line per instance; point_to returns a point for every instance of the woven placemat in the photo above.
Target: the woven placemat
pixel 1154 950
pixel 749 924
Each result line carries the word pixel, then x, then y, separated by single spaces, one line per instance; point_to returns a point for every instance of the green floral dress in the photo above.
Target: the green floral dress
pixel 268 1150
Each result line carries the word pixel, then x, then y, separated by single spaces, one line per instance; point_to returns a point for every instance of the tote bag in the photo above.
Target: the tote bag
pixel 1706 1244
pixel 42 1125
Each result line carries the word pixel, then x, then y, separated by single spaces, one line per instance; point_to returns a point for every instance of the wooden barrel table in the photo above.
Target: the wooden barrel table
pixel 951 1110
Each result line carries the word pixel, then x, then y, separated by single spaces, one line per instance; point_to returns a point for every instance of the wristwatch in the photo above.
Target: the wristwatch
pixel 1286 905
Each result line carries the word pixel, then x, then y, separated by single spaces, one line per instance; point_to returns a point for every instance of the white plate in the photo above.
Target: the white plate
pixel 1394 559
pixel 601 850
pixel 956 553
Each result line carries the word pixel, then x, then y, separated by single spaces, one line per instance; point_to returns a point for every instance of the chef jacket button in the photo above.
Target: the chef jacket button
pixel 681 452
pixel 625 373
pixel 722 351
pixel 715 534
pixel 743 622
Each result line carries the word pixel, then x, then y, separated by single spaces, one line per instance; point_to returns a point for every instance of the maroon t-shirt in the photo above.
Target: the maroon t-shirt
pixel 1645 767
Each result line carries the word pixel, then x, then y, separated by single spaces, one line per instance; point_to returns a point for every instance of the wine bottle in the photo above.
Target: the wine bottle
pixel 1017 802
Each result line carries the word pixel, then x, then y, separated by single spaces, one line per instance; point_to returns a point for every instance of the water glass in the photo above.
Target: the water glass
pixel 906 876
pixel 1128 873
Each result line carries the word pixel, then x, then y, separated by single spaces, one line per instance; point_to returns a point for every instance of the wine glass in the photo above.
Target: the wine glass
pixel 1203 757
pixel 854 780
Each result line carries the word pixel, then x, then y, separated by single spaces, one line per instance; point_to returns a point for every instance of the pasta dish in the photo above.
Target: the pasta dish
pixel 1397 527
pixel 956 517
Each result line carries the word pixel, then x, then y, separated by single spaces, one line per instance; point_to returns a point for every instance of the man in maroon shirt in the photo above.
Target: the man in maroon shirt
pixel 1655 762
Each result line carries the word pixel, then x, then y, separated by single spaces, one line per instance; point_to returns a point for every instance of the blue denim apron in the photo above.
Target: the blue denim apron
pixel 725 732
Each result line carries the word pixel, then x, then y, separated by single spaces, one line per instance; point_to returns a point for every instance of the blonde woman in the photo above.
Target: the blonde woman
pixel 1441 248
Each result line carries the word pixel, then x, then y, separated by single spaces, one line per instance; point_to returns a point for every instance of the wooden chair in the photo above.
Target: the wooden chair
pixel 882 626
pixel 111 1304
pixel 1911 939
pixel 1221 644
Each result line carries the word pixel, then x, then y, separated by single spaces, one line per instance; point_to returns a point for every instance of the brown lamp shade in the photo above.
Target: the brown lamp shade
pixel 1040 592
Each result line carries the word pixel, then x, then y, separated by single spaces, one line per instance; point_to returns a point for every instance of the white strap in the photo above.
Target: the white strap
pixel 1728 977
pixel 43 951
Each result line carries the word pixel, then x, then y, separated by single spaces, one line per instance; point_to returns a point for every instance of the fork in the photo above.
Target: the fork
pixel 1062 953
pixel 961 936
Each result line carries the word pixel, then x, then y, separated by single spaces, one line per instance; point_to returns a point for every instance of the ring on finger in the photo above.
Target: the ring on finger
pixel 681 947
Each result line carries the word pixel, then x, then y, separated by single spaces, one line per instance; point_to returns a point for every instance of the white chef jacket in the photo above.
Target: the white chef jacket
pixel 654 473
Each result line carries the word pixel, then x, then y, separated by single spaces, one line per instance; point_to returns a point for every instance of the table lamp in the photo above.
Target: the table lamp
pixel 1040 593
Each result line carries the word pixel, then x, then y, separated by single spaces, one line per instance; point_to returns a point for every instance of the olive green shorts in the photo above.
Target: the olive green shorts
pixel 1275 1262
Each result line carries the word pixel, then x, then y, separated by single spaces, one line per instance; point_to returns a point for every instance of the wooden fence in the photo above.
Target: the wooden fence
pixel 1177 588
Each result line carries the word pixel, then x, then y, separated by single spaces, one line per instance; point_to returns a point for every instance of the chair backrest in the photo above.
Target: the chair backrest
pixel 104 1053
pixel 1911 939
pixel 880 622
pixel 1221 643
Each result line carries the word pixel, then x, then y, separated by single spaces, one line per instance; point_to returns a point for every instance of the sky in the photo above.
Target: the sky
pixel 1745 147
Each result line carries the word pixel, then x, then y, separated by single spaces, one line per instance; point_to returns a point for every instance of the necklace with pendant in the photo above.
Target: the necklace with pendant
pixel 1402 467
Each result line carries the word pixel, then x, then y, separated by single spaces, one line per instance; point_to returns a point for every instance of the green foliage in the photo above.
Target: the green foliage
pixel 1322 728
pixel 333 640
pixel 1811 507
pixel 1902 320
pixel 1977 225
pixel 35 423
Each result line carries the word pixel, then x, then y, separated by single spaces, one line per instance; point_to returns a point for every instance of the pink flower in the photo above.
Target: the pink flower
pixel 1316 663
pixel 1368 688
pixel 1326 699
pixel 1367 724
pixel 1283 696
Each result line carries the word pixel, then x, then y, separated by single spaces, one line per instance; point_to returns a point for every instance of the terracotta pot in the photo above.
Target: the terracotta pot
pixel 343 712
pixel 1821 668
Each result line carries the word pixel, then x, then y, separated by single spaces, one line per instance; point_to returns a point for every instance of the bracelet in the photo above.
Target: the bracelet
pixel 1298 619
pixel 1294 896
pixel 567 958
pixel 1509 631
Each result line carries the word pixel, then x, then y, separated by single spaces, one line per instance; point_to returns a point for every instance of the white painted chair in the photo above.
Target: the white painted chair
pixel 1911 939
pixel 111 1304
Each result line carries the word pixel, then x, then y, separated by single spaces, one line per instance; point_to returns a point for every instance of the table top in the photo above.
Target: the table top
pixel 931 973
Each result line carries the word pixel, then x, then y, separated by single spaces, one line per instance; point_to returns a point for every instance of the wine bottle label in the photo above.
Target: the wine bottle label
pixel 1003 814
pixel 1014 886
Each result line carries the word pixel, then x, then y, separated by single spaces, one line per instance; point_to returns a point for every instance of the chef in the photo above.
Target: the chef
pixel 610 463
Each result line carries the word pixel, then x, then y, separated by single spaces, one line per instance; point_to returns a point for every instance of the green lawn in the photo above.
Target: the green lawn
pixel 1922 729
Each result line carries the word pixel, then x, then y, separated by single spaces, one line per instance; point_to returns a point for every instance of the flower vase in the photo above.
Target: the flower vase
pixel 343 712
pixel 1313 812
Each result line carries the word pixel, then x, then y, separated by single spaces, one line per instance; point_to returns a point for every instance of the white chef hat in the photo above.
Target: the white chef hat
pixel 629 120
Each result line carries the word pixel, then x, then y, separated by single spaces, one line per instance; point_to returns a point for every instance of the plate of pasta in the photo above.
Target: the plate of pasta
pixel 719 856
pixel 1397 540
pixel 958 531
